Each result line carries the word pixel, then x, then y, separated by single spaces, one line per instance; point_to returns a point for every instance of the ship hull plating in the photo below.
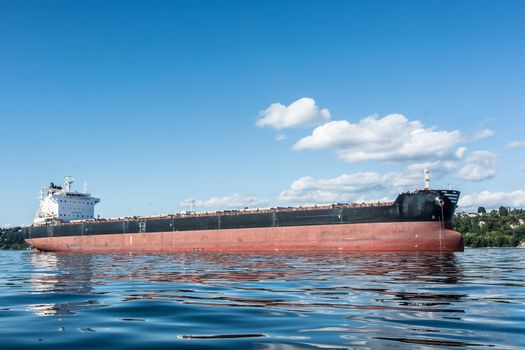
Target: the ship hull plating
pixel 390 236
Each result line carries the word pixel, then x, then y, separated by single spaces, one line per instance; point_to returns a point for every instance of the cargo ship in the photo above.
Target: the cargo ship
pixel 419 220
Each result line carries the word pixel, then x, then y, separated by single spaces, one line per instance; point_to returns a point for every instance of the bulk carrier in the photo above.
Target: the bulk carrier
pixel 415 221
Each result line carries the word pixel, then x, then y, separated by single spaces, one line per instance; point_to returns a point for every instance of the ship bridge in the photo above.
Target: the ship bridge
pixel 62 204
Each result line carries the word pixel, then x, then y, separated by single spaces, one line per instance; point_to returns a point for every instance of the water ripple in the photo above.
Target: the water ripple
pixel 474 299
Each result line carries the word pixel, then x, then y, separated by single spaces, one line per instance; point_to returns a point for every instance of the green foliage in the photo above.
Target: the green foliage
pixel 499 228
pixel 11 238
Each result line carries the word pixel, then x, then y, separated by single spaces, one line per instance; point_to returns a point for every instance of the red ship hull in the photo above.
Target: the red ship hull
pixel 395 236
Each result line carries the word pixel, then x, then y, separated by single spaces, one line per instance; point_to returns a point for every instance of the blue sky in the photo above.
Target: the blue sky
pixel 154 103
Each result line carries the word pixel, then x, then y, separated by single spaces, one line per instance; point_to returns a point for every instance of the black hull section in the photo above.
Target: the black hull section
pixel 431 205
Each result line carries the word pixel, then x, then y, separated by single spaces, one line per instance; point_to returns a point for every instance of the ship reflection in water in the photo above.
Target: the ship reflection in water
pixel 365 300
pixel 61 276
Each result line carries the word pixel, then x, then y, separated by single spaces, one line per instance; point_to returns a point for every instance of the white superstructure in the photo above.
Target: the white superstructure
pixel 59 204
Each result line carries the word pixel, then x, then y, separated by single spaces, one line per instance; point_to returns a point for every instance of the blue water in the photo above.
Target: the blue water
pixel 474 299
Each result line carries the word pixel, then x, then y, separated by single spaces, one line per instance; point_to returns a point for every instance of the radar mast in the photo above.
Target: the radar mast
pixel 68 182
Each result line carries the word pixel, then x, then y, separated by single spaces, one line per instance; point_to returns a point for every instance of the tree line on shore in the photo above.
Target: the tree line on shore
pixel 11 238
pixel 504 227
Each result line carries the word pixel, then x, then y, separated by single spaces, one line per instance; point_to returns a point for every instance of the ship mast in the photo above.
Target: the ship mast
pixel 426 174
pixel 68 183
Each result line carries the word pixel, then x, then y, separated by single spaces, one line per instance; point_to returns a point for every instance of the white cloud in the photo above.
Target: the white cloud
pixel 484 133
pixel 303 112
pixel 516 144
pixel 492 200
pixel 460 152
pixel 344 188
pixel 390 138
pixel 235 201
pixel 280 137
pixel 479 165
pixel 362 186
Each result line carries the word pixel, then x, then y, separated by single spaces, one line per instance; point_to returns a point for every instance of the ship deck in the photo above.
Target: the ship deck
pixel 228 212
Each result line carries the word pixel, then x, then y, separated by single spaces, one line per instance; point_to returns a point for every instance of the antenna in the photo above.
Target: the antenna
pixel 192 203
pixel 69 181
pixel 426 173
pixel 85 187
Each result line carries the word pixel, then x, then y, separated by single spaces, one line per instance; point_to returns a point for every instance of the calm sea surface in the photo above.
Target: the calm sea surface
pixel 474 299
